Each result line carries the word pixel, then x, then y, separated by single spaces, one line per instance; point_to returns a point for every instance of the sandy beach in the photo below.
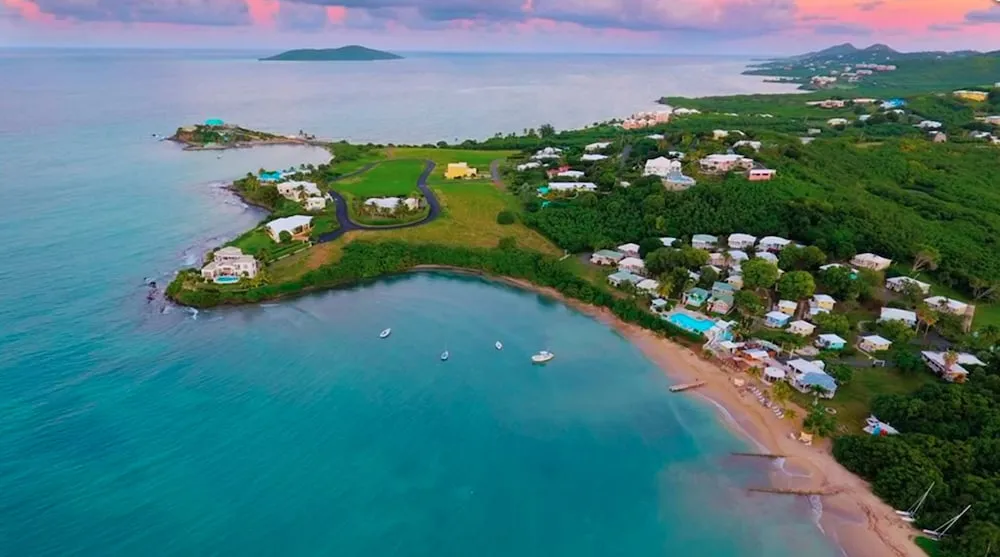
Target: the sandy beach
pixel 853 516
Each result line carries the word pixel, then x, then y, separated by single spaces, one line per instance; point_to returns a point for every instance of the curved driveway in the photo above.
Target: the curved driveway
pixel 346 224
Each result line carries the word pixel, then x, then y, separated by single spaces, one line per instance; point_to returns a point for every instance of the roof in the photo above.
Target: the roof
pixel 631 262
pixel 668 241
pixel 571 173
pixel 625 276
pixel 708 238
pixel 951 303
pixel 767 256
pixel 803 324
pixel 229 251
pixel 572 186
pixel 775 240
pixel 778 316
pixel 740 237
pixel 824 298
pixel 610 254
pixel 787 303
pixel 889 314
pixel 593 157
pixel 383 202
pixel 727 298
pixel 288 224
pixel 648 284
pixel 830 338
pixel 758 354
pixel 738 255
pixel 876 339
pixel 696 291
pixel 659 302
pixel 805 366
pixel 908 280
pixel 722 286
pixel 629 247
pixel 775 372
pixel 818 379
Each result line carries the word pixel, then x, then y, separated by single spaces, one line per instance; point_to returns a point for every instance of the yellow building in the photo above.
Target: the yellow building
pixel 979 96
pixel 460 170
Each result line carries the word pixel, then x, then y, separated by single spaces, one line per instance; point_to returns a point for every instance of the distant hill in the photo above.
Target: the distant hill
pixel 350 53
pixel 876 53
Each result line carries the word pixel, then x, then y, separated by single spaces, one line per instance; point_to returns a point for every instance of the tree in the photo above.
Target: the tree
pixel 841 372
pixel 840 282
pixel 927 316
pixel 834 323
pixel 284 236
pixel 759 274
pixel 819 422
pixel 748 304
pixel 897 331
pixel 680 278
pixel 801 259
pixel 649 245
pixel 927 257
pixel 905 360
pixel 659 261
pixel 708 277
pixel 796 285
pixel 505 217
pixel 984 289
pixel 781 392
pixel 546 131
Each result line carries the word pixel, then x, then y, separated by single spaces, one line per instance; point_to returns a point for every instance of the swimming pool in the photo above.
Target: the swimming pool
pixel 226 280
pixel 689 323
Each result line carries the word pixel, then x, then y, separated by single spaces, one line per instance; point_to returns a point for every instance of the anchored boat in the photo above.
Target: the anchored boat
pixel 385 333
pixel 542 357
pixel 499 345
pixel 445 355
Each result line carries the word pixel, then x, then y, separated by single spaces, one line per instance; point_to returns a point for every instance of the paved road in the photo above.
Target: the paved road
pixel 495 174
pixel 344 219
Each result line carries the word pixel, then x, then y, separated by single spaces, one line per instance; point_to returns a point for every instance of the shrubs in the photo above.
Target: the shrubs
pixel 505 217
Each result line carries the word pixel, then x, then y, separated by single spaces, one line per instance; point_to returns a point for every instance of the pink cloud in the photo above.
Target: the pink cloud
pixel 28 10
pixel 336 14
pixel 263 12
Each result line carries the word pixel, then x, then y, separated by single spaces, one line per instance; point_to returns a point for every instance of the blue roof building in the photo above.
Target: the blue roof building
pixel 214 122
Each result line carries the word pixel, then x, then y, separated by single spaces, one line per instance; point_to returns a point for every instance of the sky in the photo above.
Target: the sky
pixel 745 27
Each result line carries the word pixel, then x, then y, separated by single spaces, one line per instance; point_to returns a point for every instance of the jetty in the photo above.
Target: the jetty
pixel 790 491
pixel 760 455
pixel 686 386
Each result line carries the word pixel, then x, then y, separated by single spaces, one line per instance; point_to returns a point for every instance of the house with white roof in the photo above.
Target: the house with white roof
pixel 787 307
pixel 719 134
pixel 801 328
pixel 741 241
pixel 548 153
pixel 767 256
pixel 874 343
pixel 717 259
pixel 574 174
pixel 704 241
pixel 392 204
pixel 736 281
pixel 296 191
pixel 528 166
pixel 720 163
pixel 667 241
pixel 776 319
pixel 632 265
pixel 606 257
pixel 950 371
pixel 900 284
pixel 648 286
pixel 823 302
pixel 871 261
pixel 659 306
pixel 599 146
pixel 773 243
pixel 829 341
pixel 296 225
pixel 807 376
pixel 755 145
pixel 894 314
pixel 929 124
pixel 230 262
pixel 593 157
pixel 685 111
pixel 622 277
pixel 314 203
pixel 736 257
pixel 572 186
pixel 837 122
pixel 630 250
pixel 661 166
pixel 656 136
pixel 947 305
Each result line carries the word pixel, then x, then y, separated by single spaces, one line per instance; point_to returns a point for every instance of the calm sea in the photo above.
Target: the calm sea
pixel 130 427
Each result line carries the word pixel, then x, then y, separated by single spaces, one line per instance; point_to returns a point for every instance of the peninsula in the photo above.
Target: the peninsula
pixel 214 134
pixel 822 265
pixel 350 53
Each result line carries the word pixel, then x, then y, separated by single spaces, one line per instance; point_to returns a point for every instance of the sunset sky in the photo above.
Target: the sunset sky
pixel 672 26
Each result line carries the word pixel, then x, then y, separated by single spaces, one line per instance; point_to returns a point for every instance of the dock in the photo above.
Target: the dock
pixel 686 386
pixel 760 455
pixel 788 491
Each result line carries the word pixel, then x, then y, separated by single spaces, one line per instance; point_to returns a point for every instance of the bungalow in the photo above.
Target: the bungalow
pixel 599 146
pixel 995 120
pixel 548 153
pixel 900 284
pixel 830 342
pixel 741 241
pixel 718 164
pixel 676 181
pixel 773 374
pixel 528 166
pixel 704 241
pixel 572 186
pixel 755 145
pixel 801 328
pixel 648 286
pixel 230 262
pixel 761 174
pixel 717 259
pixel 721 303
pixel 719 134
pixel 606 257
pixel 871 261
pixel 939 137
pixel 314 203
pixel 736 281
pixel 593 157
pixel 294 225
pixel 460 170
pixel 874 343
pixel 392 204
pixel 950 371
pixel 893 314
pixel 837 122
pixel 736 257
pixel 929 124
pixel 630 250
pixel 297 191
pixel 695 297
pixel 772 243
pixel 787 307
pixel 721 288
pixel 658 305
pixel 574 174
pixel 809 376
pixel 776 319
pixel 668 242
pixel 767 256
pixel 553 172
pixel 823 301
pixel 622 277
pixel 632 265
pixel 948 305
pixel 661 166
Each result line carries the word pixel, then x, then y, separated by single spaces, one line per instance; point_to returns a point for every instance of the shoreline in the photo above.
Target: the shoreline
pixel 187 146
pixel 854 518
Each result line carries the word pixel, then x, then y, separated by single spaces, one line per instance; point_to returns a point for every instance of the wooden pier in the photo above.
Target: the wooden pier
pixel 760 455
pixel 686 386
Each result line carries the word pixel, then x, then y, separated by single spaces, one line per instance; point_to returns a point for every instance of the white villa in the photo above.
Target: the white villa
pixel 294 225
pixel 767 256
pixel 574 174
pixel 874 343
pixel 773 243
pixel 661 166
pixel 956 371
pixel 648 286
pixel 392 204
pixel 621 277
pixel 296 191
pixel 899 284
pixel 606 257
pixel 572 186
pixel 230 262
pixel 893 314
pixel 528 166
pixel 630 250
pixel 314 203
pixel 724 163
pixel 667 241
pixel 704 241
pixel 548 153
pixel 948 305
pixel 801 328
pixel 719 134
pixel 871 261
pixel 741 241
pixel 592 157
pixel 632 265
pixel 837 122
pixel 929 125
pixel 599 146
pixel 755 145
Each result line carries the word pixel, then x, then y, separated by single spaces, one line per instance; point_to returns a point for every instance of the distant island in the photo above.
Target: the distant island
pixel 215 134
pixel 350 53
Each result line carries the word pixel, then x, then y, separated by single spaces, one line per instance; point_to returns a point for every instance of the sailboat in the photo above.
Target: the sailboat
pixel 499 345
pixel 939 533
pixel 910 514
pixel 385 333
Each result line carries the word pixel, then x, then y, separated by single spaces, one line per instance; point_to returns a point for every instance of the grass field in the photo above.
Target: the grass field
pixel 479 160
pixel 253 241
pixel 853 401
pixel 390 178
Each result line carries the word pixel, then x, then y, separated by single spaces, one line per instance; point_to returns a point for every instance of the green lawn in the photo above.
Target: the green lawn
pixel 986 313
pixel 853 401
pixel 929 546
pixel 346 167
pixel 254 241
pixel 479 160
pixel 390 178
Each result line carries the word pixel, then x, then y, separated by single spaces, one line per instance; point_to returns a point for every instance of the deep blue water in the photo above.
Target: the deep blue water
pixel 135 428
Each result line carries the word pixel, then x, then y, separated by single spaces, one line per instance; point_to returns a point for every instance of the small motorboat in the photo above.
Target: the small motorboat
pixel 542 357
pixel 499 345
pixel 445 355
pixel 385 333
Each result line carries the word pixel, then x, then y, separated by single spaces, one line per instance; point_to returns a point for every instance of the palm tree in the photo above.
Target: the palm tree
pixel 754 372
pixel 927 316
pixel 781 392
pixel 791 414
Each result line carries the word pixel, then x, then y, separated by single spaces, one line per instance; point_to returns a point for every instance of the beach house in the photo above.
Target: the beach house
pixel 809 377
pixel 632 265
pixel 871 261
pixel 824 302
pixel 606 257
pixel 695 297
pixel 297 225
pixel 297 191
pixel 599 146
pixel 741 241
pixel 230 262
pixel 830 341
pixel 776 319
pixel 623 277
pixel 648 286
pixel 721 303
pixel 900 284
pixel 761 174
pixel 772 243
pixel 735 280
pixel 801 328
pixel 947 305
pixel 950 366
pixel 787 307
pixel 718 163
pixel 659 306
pixel 894 314
pixel 314 203
pixel 874 343
pixel 704 241
pixel 661 166
pixel 460 170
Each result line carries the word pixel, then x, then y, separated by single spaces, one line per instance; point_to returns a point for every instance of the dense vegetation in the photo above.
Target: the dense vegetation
pixel 951 437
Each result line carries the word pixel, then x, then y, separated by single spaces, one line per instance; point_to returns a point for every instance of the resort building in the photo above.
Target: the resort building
pixel 630 250
pixel 811 377
pixel 314 203
pixel 599 146
pixel 298 225
pixel 894 314
pixel 830 342
pixel 392 204
pixel 695 297
pixel 623 277
pixel 776 319
pixel 572 186
pixel 950 368
pixel 871 261
pixel 721 303
pixel 947 305
pixel 787 307
pixel 606 257
pixel 574 174
pixel 460 170
pixel 767 256
pixel 761 174
pixel 528 166
pixel 900 284
pixel 874 343
pixel 801 328
pixel 823 302
pixel 704 241
pixel 593 157
pixel 297 191
pixel 667 241
pixel 741 241
pixel 632 265
pixel 230 262
pixel 773 243
pixel 648 286
pixel 661 166
pixel 717 164
pixel 548 153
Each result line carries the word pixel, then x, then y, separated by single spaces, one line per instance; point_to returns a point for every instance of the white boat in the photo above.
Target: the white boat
pixel 542 357
pixel 445 355
pixel 385 333
pixel 499 345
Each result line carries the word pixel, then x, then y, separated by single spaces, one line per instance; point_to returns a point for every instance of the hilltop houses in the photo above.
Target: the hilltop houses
pixel 900 284
pixel 828 103
pixel 811 376
pixel 947 305
pixel 717 164
pixel 297 191
pixel 837 122
pixel 632 265
pixel 894 314
pixel 874 343
pixel 667 241
pixel 641 120
pixel 528 166
pixel 755 145
pixel 871 262
pixel 978 96
pixel 830 341
pixel 606 257
pixel 623 277
pixel 773 243
pixel 571 186
pixel 776 319
pixel 230 262
pixel 741 241
pixel 630 250
pixel 661 166
pixel 313 204
pixel 704 241
pixel 392 204
pixel 296 226
pixel 572 174
pixel 599 146
pixel 801 328
pixel 593 157
pixel 951 367
pixel 929 124
pixel 761 174
pixel 548 153
pixel 460 170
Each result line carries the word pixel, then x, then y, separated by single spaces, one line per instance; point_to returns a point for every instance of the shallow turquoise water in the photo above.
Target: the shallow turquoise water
pixel 130 427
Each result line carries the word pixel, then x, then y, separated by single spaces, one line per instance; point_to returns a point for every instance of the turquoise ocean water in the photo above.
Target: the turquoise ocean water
pixel 130 427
